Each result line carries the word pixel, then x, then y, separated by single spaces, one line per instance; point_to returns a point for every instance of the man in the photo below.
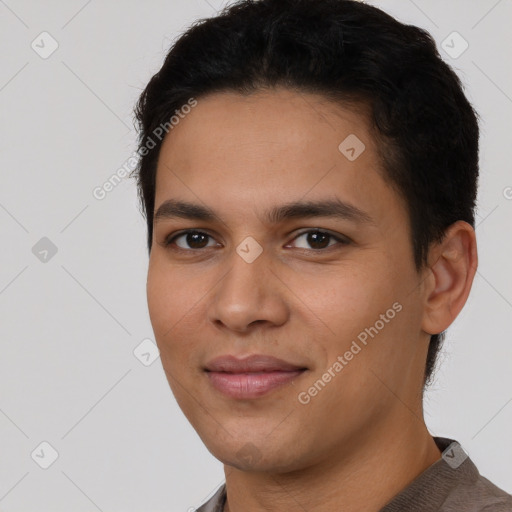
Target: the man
pixel 309 173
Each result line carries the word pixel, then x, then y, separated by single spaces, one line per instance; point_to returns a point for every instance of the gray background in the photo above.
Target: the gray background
pixel 70 323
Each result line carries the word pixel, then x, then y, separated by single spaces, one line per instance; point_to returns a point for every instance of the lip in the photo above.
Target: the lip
pixel 250 377
pixel 250 364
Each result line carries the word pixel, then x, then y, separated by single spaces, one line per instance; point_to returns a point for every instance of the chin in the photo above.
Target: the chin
pixel 247 455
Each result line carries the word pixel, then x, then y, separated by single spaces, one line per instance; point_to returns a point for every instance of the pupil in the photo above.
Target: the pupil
pixel 193 240
pixel 313 239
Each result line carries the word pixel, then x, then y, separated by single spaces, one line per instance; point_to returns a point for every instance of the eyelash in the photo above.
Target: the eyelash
pixel 171 238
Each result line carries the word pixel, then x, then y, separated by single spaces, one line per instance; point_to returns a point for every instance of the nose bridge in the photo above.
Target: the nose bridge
pixel 244 285
pixel 248 292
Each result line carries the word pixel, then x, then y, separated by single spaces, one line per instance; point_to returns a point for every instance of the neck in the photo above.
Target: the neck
pixel 384 461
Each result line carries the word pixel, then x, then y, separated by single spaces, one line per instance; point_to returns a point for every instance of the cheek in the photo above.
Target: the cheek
pixel 350 303
pixel 171 301
pixel 375 324
pixel 348 298
pixel 161 300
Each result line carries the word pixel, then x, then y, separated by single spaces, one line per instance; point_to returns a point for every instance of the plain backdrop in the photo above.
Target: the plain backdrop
pixel 73 373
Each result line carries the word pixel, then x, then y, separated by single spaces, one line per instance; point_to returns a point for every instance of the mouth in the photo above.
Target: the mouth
pixel 251 377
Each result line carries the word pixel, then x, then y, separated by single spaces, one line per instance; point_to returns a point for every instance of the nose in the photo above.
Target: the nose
pixel 249 294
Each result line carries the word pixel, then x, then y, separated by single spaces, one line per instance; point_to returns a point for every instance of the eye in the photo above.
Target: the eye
pixel 194 240
pixel 319 240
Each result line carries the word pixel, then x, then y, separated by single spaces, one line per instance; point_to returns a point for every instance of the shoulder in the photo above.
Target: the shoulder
pixel 471 491
pixel 482 495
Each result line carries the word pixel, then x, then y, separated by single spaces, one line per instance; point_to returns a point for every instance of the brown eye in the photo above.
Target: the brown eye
pixel 190 240
pixel 318 240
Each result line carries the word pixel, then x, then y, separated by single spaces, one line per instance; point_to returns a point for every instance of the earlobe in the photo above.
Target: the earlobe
pixel 452 265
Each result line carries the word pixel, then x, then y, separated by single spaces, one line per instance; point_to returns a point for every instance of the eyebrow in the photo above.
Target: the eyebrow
pixel 295 210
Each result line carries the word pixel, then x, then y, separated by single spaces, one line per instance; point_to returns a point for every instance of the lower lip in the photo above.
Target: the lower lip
pixel 250 385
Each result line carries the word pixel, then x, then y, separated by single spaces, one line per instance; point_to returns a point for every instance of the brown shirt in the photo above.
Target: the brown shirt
pixel 451 484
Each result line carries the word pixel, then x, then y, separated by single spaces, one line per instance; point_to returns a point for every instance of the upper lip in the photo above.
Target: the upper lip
pixel 253 363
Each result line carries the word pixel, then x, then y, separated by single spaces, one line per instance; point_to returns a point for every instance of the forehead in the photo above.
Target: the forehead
pixel 233 150
pixel 278 120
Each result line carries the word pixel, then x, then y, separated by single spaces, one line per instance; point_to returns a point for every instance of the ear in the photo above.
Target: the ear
pixel 452 266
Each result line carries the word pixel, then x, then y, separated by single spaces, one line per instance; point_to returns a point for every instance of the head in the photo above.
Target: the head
pixel 260 123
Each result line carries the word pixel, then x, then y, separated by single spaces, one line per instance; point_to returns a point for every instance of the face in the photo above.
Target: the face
pixel 275 234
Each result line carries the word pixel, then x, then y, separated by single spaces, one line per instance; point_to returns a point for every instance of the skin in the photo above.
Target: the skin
pixel 362 439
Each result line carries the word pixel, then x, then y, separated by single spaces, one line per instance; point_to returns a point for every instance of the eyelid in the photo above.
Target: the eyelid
pixel 343 239
pixel 169 239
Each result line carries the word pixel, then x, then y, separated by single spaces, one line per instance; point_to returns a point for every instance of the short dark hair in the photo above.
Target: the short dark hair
pixel 350 52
